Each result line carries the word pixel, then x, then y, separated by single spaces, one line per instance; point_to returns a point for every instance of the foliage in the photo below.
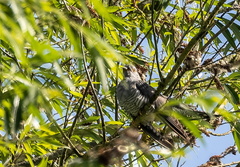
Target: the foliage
pixel 61 62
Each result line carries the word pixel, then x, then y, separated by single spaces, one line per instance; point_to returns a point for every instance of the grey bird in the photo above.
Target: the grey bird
pixel 133 94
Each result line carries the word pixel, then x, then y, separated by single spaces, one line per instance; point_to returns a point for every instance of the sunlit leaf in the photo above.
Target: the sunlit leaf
pixel 46 47
pixel 142 159
pixel 114 123
pixel 43 162
pixel 77 94
pixel 233 94
pixel 235 75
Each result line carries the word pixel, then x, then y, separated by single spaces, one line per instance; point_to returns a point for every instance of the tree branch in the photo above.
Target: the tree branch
pixel 206 25
pixel 95 95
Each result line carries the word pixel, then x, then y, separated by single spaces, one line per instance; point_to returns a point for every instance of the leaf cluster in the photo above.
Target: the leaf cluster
pixel 60 62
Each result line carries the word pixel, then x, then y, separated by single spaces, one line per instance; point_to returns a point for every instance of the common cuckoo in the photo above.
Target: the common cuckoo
pixel 133 94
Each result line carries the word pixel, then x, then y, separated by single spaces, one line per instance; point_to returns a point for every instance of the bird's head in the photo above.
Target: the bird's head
pixel 131 72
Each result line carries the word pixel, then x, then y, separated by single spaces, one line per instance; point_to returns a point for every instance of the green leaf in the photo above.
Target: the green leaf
pixel 233 94
pixel 234 27
pixel 18 107
pixel 76 94
pixel 141 159
pixel 43 163
pixel 114 123
pixel 89 120
pixel 227 35
pixel 101 9
pixel 136 59
pixel 235 76
pixel 53 142
pixel 7 122
pixel 191 126
pixel 236 135
pixel 151 158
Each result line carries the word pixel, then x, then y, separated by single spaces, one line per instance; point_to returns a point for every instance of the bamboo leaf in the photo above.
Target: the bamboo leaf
pixel 227 35
pixel 233 94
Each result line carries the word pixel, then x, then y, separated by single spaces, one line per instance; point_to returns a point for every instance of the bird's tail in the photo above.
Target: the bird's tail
pixel 157 136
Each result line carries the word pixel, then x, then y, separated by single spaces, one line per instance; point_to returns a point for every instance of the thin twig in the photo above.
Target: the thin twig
pixel 38 159
pixel 219 134
pixel 94 94
pixel 116 101
pixel 215 160
pixel 206 25
pixel 220 31
pixel 13 58
pixel 155 39
pixel 78 113
pixel 200 81
pixel 49 115
pixel 229 164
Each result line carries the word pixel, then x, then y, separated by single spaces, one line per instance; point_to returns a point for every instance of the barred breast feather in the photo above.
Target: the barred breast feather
pixel 130 97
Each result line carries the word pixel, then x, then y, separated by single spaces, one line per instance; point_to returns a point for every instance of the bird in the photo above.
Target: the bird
pixel 133 94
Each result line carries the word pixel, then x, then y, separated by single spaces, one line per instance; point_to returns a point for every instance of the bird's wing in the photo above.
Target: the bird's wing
pixel 148 91
pixel 145 89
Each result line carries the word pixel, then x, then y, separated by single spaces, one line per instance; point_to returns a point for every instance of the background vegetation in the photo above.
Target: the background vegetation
pixel 61 62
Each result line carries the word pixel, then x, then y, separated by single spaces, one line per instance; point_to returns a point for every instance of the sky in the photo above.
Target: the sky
pixel 214 145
